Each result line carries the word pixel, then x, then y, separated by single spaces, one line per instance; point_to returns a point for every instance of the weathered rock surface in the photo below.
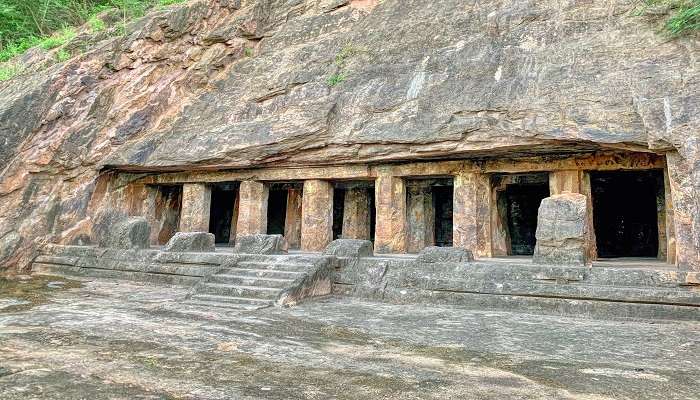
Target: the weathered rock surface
pixel 191 242
pixel 562 231
pixel 210 84
pixel 128 233
pixel 434 254
pixel 260 244
pixel 350 248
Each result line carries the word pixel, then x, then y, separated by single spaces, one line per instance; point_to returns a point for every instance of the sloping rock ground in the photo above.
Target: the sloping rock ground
pixel 228 83
pixel 110 340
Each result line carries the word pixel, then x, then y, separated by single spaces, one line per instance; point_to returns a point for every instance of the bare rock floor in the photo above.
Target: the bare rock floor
pixel 118 340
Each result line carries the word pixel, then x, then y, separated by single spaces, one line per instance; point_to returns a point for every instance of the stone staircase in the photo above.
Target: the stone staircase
pixel 253 281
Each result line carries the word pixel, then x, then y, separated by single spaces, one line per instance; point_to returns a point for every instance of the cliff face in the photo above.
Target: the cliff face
pixel 213 84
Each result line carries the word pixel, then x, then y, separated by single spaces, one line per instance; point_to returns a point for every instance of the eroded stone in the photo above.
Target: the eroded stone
pixel 563 230
pixel 261 244
pixel 191 242
pixel 350 248
pixel 434 254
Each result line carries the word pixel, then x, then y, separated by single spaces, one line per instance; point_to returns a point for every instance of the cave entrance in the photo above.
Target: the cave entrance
pixel 354 211
pixel 284 211
pixel 429 204
pixel 625 212
pixel 518 199
pixel 224 212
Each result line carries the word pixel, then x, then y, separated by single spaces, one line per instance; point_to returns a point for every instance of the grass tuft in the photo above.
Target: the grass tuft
pixel 684 15
pixel 335 79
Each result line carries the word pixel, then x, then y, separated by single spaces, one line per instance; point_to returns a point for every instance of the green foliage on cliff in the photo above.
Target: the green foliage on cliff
pixel 48 23
pixel 684 14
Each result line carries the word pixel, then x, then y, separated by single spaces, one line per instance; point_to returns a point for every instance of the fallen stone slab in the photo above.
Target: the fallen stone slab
pixel 350 248
pixel 191 242
pixel 261 244
pixel 562 231
pixel 434 254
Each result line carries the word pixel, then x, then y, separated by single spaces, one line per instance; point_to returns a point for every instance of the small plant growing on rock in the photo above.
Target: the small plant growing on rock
pixel 684 14
pixel 9 71
pixel 248 52
pixel 335 79
pixel 62 55
pixel 96 24
pixel 58 39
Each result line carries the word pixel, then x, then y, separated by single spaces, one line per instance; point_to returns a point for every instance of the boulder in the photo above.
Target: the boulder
pixel 563 231
pixel 434 254
pixel 350 248
pixel 128 233
pixel 261 244
pixel 192 242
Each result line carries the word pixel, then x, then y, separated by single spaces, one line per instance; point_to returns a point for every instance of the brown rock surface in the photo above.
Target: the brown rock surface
pixel 211 84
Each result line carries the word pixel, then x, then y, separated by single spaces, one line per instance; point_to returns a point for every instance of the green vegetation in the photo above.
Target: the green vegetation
pixel 684 14
pixel 9 71
pixel 335 79
pixel 51 23
pixel 248 52
pixel 63 55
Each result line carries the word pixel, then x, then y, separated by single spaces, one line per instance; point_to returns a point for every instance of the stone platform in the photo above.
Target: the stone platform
pixel 637 289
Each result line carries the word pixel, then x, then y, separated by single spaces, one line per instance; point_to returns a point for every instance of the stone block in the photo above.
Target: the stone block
pixel 194 242
pixel 434 254
pixel 127 233
pixel 350 248
pixel 261 244
pixel 563 230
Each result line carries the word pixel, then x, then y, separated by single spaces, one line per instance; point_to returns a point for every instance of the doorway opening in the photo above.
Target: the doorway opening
pixel 429 204
pixel 284 211
pixel 354 212
pixel 224 212
pixel 625 212
pixel 518 198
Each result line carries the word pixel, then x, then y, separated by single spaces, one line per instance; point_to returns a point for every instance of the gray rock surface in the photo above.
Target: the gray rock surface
pixel 260 244
pixel 128 233
pixel 350 248
pixel 434 254
pixel 562 231
pixel 191 242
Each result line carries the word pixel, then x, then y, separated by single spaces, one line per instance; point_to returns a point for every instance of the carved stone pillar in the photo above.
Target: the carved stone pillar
pixel 565 181
pixel 234 219
pixel 471 225
pixel 356 214
pixel 390 230
pixel 252 208
pixel 292 221
pixel 421 219
pixel 575 181
pixel 316 215
pixel 196 206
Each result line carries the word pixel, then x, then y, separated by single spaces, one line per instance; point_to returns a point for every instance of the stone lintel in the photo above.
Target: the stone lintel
pixel 356 214
pixel 390 230
pixel 196 206
pixel 317 215
pixel 252 208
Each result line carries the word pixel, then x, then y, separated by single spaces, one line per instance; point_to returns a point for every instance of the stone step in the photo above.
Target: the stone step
pixel 298 267
pixel 245 280
pixel 256 292
pixel 243 303
pixel 264 273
